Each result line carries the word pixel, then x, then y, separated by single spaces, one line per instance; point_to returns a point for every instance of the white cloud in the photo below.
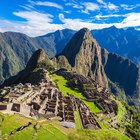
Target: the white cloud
pixel 100 17
pixel 131 20
pixel 101 2
pixel 37 23
pixel 112 6
pixel 46 3
pixel 34 17
pixel 27 7
pixel 77 24
pixel 129 7
pixel 74 5
pixel 89 6
pixel 85 11
pixel 68 12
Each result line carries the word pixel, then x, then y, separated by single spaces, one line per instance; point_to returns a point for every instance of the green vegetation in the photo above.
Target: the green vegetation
pixel 38 130
pixel 44 134
pixel 78 120
pixel 11 122
pixel 24 134
pixel 61 83
pixel 42 129
pixel 133 125
pixel 46 64
pixel 56 132
pixel 98 135
pixel 121 111
pixel 92 106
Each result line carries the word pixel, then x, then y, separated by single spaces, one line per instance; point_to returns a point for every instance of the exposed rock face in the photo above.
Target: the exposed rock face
pixel 62 62
pixel 84 55
pixel 38 57
pixel 122 71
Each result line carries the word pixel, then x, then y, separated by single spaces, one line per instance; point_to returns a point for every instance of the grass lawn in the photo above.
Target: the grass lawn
pixel 50 132
pixel 62 85
pixel 25 134
pixel 78 121
pixel 121 111
pixel 102 134
pixel 43 134
pixel 92 106
pixel 12 122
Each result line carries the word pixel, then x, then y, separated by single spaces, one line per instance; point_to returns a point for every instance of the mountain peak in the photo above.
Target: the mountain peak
pixel 84 55
pixel 84 30
pixel 78 41
pixel 39 58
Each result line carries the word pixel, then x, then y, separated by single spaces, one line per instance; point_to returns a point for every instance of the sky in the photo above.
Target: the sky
pixel 39 17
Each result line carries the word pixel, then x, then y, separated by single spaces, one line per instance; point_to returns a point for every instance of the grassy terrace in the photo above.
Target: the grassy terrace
pixel 121 111
pixel 11 122
pixel 61 82
pixel 98 135
pixel 78 120
pixel 46 129
pixel 51 130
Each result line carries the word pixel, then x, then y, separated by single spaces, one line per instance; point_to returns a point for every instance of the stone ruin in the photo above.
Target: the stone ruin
pixel 87 117
pixel 47 101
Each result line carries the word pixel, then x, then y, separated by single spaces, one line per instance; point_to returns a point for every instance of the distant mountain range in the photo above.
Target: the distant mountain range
pixel 125 42
pixel 17 48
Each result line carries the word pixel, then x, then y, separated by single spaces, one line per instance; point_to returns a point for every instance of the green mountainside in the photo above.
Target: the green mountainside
pixel 17 48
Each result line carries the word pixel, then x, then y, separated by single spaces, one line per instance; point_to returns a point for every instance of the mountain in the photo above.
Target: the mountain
pixel 15 51
pixel 58 39
pixel 86 57
pixel 122 71
pixel 31 73
pixel 17 48
pixel 125 42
